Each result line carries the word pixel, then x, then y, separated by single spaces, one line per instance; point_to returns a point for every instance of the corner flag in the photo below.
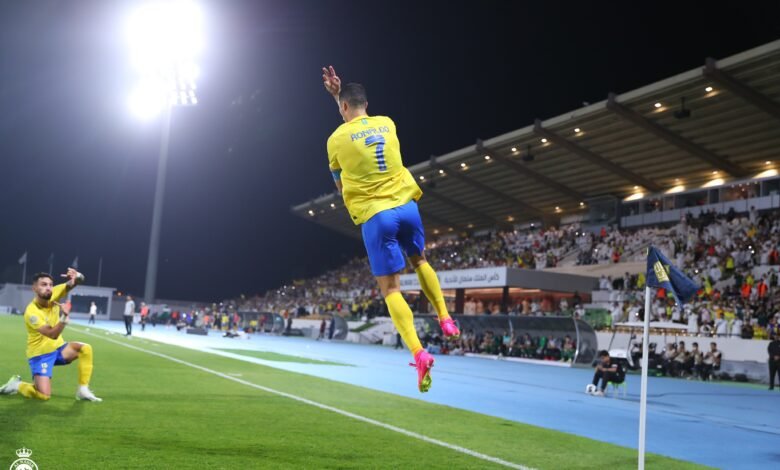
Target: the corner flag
pixel 662 273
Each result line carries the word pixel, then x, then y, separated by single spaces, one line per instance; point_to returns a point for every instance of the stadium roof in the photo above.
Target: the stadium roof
pixel 639 141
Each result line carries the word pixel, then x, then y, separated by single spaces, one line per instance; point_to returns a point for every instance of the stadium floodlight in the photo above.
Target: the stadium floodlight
pixel 714 183
pixel 146 101
pixel 165 38
pixel 767 174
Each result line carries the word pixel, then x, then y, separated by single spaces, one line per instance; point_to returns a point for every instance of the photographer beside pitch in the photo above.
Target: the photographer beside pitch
pixel 45 320
pixel 606 371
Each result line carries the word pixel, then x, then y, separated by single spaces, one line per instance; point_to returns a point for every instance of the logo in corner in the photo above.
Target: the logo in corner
pixel 660 272
pixel 23 462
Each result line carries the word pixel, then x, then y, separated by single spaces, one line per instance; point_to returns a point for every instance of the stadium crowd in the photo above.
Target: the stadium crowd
pixel 735 257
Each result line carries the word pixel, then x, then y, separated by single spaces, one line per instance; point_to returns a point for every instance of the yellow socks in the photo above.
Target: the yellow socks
pixel 85 364
pixel 403 321
pixel 28 390
pixel 430 286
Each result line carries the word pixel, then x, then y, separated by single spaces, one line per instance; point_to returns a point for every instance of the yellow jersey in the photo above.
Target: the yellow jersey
pixel 36 316
pixel 365 155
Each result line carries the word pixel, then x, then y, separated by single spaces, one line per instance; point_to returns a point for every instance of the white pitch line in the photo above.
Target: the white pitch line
pixel 380 424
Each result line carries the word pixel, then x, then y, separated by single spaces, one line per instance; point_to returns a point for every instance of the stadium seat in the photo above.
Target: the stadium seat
pixel 617 388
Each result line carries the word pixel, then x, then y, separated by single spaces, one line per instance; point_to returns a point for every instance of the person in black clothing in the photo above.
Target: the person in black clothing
pixel 774 360
pixel 607 371
pixel 576 299
pixel 322 330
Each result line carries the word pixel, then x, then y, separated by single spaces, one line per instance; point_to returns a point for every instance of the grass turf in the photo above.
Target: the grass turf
pixel 161 414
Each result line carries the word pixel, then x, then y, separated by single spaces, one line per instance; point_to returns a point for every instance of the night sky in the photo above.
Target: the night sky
pixel 78 170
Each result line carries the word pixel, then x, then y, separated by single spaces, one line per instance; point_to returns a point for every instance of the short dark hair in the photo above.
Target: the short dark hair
pixel 603 353
pixel 354 94
pixel 41 275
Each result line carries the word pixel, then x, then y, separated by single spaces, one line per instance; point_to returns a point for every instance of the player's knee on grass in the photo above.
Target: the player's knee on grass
pixel 29 390
pixel 42 396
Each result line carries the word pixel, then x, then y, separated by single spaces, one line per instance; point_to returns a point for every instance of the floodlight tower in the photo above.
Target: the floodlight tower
pixel 165 39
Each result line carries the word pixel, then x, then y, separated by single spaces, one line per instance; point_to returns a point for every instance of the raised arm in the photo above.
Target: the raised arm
pixel 332 82
pixel 73 277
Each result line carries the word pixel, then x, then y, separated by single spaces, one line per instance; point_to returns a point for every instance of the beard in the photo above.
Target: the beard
pixel 45 296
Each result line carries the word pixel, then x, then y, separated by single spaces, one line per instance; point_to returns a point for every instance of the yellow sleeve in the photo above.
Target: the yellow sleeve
pixel 333 161
pixel 59 291
pixel 34 319
pixel 391 125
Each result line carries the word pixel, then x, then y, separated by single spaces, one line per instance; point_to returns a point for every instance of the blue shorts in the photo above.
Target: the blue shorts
pixel 43 364
pixel 390 234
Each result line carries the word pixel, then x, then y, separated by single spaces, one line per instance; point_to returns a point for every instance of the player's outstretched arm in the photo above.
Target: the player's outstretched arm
pixel 332 82
pixel 74 278
pixel 61 290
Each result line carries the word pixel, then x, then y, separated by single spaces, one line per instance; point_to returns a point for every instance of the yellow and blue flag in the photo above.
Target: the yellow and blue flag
pixel 662 273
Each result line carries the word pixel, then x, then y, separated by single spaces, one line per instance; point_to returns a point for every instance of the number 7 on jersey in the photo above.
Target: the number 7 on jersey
pixel 379 140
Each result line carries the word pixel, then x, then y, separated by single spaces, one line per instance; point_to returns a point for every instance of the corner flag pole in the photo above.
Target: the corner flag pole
pixel 643 396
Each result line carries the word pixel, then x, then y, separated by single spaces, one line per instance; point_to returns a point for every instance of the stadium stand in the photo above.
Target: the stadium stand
pixel 687 164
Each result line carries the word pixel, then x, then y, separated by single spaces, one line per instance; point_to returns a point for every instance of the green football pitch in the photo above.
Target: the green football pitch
pixel 170 407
